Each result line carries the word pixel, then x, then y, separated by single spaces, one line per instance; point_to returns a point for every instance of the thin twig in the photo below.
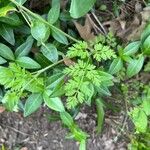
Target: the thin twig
pixel 94 25
pixel 95 17
pixel 14 129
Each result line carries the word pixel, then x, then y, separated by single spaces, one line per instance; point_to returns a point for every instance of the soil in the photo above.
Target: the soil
pixel 37 133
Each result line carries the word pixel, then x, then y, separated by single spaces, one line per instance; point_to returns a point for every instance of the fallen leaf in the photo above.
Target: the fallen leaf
pixel 24 148
pixel 130 30
pixel 68 62
pixel 2 109
pixel 85 30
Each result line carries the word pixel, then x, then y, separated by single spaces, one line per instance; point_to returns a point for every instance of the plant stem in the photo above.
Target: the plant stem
pixel 44 21
pixel 26 19
pixel 48 67
pixel 37 73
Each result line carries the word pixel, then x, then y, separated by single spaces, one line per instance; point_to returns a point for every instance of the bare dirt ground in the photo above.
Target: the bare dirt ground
pixel 37 133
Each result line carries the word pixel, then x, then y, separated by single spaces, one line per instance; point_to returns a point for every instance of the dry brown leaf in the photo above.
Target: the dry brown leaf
pixel 130 30
pixel 24 148
pixel 68 62
pixel 2 109
pixel 86 30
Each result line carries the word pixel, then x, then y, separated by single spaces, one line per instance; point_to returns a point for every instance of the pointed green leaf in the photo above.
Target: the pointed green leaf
pixel 28 63
pixel 131 48
pixel 50 52
pixel 115 66
pixel 54 12
pixel 24 49
pixel 105 76
pixel 100 115
pixel 145 33
pixel 146 46
pixel 2 61
pixel 6 52
pixel 59 37
pixel 11 19
pixel 146 106
pixel 53 103
pixel 103 90
pixel 53 80
pixel 7 33
pixel 135 66
pixel 82 145
pixel 33 102
pixel 80 7
pixel 66 118
pixel 41 59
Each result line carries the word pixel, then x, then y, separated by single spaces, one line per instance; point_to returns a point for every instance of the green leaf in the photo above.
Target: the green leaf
pixel 146 46
pixel 80 7
pixel 6 75
pixel 103 90
pixel 53 80
pixel 21 2
pixel 82 145
pixel 54 103
pixel 55 84
pixel 4 3
pixel 2 61
pixel 105 76
pixel 10 101
pixel 7 33
pixel 145 33
pixel 40 31
pixel 126 58
pixel 24 49
pixel 54 12
pixel 100 115
pixel 131 48
pixel 36 86
pixel 59 37
pixel 115 66
pixel 88 95
pixel 146 106
pixel 28 63
pixel 6 52
pixel 11 19
pixel 147 67
pixel 66 119
pixel 59 89
pixel 139 119
pixel 6 9
pixel 41 59
pixel 135 66
pixel 33 102
pixel 50 52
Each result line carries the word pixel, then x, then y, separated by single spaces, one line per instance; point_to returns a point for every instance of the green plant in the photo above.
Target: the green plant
pixel 140 117
pixel 34 71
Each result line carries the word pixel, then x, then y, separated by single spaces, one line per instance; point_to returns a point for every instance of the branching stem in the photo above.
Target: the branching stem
pixel 42 20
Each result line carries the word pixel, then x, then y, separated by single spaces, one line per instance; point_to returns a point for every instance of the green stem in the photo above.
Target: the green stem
pixel 40 72
pixel 26 19
pixel 44 21
pixel 48 67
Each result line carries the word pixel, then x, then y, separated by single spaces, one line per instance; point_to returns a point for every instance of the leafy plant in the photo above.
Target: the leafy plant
pixel 34 69
pixel 140 117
